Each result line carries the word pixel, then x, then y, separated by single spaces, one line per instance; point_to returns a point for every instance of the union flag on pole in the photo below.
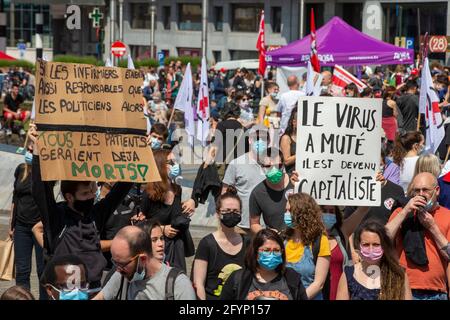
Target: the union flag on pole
pixel 203 106
pixel 314 57
pixel 261 47
pixel 429 105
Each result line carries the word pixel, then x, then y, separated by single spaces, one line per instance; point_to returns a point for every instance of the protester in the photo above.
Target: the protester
pixel 238 81
pixel 246 118
pixel 24 215
pixel 268 198
pixel 221 252
pixel 351 90
pixel 288 143
pixel 162 201
pixel 134 259
pixel 408 105
pixel 17 293
pixel 158 109
pixel 421 231
pixel 428 163
pixel 268 114
pixel 12 110
pixel 326 81
pixel 158 136
pixel 390 113
pixel 265 275
pixel 245 172
pixel 307 247
pixel 72 226
pixel 379 275
pixel 65 277
pixel 288 101
pixel 407 148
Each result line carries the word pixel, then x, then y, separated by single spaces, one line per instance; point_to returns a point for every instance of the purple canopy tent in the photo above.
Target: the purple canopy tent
pixel 339 43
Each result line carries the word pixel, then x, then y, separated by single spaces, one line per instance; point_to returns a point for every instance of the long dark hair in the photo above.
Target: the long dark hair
pixel 156 190
pixel 251 257
pixel 392 274
pixel 403 144
pixel 290 127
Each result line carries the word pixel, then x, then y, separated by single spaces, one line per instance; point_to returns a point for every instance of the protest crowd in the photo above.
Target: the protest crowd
pixel 130 241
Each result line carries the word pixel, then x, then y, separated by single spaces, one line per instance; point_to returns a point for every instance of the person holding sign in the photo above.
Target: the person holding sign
pixel 162 201
pixel 288 144
pixel 72 226
pixel 379 276
pixel 268 199
pixel 307 246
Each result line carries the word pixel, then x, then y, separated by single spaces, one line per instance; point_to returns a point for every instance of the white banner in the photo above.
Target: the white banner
pixel 338 150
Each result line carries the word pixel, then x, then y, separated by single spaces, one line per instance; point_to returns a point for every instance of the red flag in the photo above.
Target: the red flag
pixel 314 57
pixel 260 46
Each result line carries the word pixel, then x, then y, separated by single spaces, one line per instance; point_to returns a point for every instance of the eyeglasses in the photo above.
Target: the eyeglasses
pixel 123 265
pixel 83 286
pixel 268 250
pixel 423 190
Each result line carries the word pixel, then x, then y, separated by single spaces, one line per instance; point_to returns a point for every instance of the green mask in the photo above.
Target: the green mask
pixel 274 175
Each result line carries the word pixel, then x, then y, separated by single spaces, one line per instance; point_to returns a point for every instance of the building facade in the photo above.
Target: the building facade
pixel 232 24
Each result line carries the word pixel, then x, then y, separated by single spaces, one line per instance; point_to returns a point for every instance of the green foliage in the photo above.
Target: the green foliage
pixel 78 59
pixel 17 63
pixel 195 61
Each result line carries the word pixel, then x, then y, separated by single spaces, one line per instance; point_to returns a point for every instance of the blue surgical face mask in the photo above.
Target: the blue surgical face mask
pixel 430 204
pixel 259 147
pixel 138 276
pixel 28 158
pixel 329 220
pixel 155 143
pixel 174 171
pixel 288 219
pixel 270 260
pixel 75 294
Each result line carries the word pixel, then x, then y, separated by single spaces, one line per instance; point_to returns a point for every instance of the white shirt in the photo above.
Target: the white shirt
pixel 407 172
pixel 288 101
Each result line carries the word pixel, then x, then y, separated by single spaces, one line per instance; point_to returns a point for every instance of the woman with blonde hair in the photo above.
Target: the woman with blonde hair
pixel 428 163
pixel 307 247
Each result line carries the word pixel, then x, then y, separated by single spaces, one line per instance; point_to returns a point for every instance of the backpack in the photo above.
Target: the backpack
pixel 170 283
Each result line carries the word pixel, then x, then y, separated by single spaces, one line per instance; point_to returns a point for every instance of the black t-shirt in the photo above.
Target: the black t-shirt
pixel 408 105
pixel 391 198
pixel 270 203
pixel 277 289
pixel 25 209
pixel 13 104
pixel 220 264
pixel 224 146
pixel 387 111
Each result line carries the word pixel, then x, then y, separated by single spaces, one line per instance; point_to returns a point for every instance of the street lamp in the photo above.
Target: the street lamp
pixel 152 28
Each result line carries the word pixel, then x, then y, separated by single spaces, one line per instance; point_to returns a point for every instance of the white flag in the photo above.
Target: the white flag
pixel 429 105
pixel 183 102
pixel 108 63
pixel 130 62
pixel 203 106
pixel 313 81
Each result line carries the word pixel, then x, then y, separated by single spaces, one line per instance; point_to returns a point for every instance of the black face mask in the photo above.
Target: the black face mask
pixel 231 220
pixel 84 206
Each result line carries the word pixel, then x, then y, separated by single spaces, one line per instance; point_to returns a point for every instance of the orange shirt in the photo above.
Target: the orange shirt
pixel 433 276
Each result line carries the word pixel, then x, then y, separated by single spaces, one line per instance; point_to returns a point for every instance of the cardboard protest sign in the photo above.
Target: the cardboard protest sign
pixel 338 150
pixel 91 124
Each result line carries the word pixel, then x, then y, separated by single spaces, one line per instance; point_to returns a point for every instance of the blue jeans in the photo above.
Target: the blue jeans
pixel 23 249
pixel 428 295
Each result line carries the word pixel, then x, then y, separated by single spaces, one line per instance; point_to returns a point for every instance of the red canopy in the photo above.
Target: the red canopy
pixel 4 56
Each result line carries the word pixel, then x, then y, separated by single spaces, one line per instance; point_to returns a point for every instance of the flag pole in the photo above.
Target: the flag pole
pixel 448 153
pixel 424 55
pixel 171 117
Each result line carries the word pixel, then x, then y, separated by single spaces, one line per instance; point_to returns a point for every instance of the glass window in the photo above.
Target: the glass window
pixel 401 20
pixel 352 14
pixel 190 17
pixel 246 17
pixel 243 54
pixel 318 16
pixel 217 56
pixel 140 15
pixel 218 18
pixel 166 17
pixel 275 20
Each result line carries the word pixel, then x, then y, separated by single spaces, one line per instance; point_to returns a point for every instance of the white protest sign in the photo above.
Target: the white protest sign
pixel 338 150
